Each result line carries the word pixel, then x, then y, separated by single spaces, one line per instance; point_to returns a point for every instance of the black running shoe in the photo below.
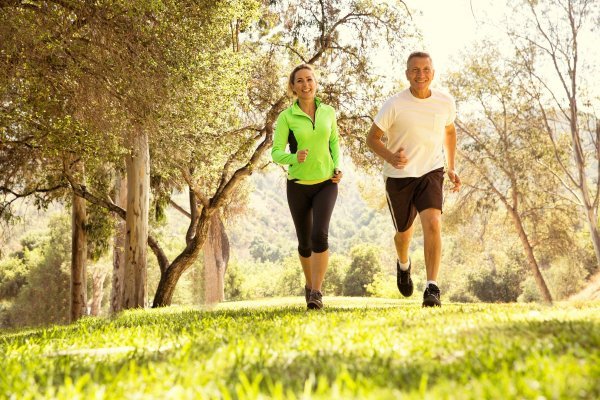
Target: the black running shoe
pixel 306 294
pixel 315 301
pixel 431 296
pixel 404 281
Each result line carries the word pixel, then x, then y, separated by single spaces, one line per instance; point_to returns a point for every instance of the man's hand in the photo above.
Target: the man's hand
pixel 398 159
pixel 455 180
pixel 301 155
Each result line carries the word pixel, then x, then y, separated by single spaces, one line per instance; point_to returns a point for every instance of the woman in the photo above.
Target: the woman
pixel 310 129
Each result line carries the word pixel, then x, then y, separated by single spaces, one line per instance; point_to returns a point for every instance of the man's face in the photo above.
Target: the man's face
pixel 420 73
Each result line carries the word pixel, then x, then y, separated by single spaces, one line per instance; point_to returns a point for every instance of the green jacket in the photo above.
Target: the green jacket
pixel 295 127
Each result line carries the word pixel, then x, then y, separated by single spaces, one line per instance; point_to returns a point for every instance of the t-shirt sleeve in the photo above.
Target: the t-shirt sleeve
pixel 452 113
pixel 280 141
pixel 385 117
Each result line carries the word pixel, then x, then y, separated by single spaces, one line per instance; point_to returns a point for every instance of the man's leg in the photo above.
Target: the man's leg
pixel 402 242
pixel 431 221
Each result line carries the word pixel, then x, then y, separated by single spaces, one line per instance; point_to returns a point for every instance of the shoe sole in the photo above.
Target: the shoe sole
pixel 408 294
pixel 431 303
pixel 314 306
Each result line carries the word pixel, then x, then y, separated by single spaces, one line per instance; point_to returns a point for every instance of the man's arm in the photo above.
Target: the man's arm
pixel 397 159
pixel 450 147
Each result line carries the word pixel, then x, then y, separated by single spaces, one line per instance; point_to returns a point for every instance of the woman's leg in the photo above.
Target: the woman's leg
pixel 323 204
pixel 300 208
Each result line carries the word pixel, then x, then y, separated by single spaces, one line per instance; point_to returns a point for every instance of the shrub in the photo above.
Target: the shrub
pixel 365 265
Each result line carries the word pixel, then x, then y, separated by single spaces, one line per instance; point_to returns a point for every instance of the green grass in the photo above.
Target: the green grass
pixel 356 348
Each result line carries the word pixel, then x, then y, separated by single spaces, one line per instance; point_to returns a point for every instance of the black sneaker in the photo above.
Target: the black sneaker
pixel 404 281
pixel 431 296
pixel 306 294
pixel 315 301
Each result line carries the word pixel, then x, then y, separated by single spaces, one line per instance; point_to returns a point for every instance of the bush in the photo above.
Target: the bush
pixel 565 277
pixel 234 282
pixel 384 285
pixel 365 265
pixel 498 282
pixel 291 281
pixel 333 285
pixel 45 299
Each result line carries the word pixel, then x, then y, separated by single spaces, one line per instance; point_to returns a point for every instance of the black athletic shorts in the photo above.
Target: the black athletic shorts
pixel 408 196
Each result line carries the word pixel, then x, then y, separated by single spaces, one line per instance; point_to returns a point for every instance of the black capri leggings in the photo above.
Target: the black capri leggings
pixel 311 207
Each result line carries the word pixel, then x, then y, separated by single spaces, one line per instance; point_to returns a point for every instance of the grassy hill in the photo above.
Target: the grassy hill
pixel 355 348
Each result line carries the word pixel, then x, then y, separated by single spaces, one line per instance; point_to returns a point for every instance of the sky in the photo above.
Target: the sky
pixel 449 26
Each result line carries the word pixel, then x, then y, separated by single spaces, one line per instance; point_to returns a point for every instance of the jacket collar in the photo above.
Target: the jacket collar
pixel 297 110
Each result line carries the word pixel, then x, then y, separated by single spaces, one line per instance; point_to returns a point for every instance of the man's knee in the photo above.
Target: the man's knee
pixel 431 221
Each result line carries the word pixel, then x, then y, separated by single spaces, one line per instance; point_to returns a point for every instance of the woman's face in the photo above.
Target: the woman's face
pixel 305 84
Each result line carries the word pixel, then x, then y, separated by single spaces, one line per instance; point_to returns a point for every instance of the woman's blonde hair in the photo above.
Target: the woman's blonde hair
pixel 293 76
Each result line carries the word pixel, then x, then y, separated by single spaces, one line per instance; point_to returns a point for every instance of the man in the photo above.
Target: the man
pixel 419 125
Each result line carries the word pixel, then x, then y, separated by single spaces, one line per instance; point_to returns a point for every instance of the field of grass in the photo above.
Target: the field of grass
pixel 356 348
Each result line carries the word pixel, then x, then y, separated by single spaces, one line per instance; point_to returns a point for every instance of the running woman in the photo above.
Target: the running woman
pixel 309 128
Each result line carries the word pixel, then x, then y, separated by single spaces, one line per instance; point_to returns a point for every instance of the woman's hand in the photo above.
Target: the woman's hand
pixel 301 155
pixel 337 176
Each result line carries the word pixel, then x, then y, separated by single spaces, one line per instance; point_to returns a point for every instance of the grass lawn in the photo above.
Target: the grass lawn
pixel 355 348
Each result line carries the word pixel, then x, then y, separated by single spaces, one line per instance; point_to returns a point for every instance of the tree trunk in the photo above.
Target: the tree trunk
pixel 118 276
pixel 170 276
pixel 78 259
pixel 532 261
pixel 216 257
pixel 136 236
pixel 98 277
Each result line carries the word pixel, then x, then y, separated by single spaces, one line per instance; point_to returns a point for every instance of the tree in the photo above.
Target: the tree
pixel 78 258
pixel 502 143
pixel 364 267
pixel 216 257
pixel 126 80
pixel 550 36
pixel 313 36
pixel 45 298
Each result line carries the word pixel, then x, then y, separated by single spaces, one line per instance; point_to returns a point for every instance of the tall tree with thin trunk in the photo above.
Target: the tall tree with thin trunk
pixel 118 275
pixel 550 48
pixel 136 235
pixel 78 255
pixel 500 140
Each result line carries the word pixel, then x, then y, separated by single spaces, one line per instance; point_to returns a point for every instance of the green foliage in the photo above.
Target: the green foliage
pixel 45 298
pixel 13 276
pixel 292 279
pixel 99 230
pixel 262 250
pixel 335 276
pixel 367 349
pixel 255 280
pixel 566 277
pixel 497 280
pixel 363 269
pixel 234 281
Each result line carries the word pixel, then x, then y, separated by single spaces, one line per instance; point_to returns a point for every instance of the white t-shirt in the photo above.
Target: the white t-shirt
pixel 417 125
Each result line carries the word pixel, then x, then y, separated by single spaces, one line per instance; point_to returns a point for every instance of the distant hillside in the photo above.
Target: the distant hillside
pixel 268 217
